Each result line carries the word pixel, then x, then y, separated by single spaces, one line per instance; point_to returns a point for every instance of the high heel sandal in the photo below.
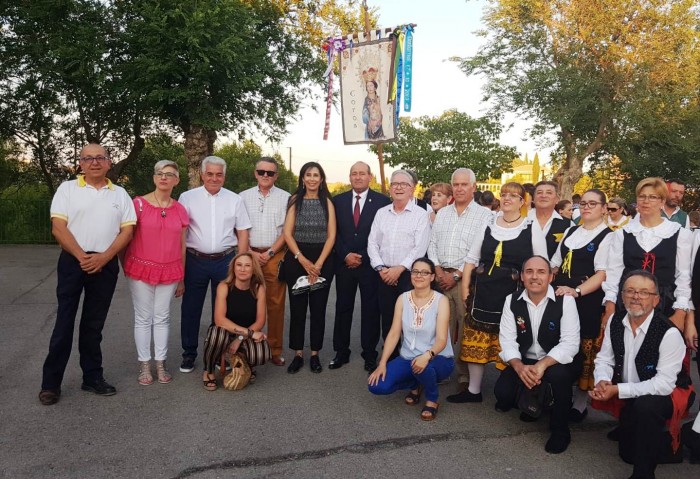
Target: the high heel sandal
pixel 145 376
pixel 209 383
pixel 414 398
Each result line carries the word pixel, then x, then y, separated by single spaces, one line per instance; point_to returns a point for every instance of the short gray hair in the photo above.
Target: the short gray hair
pixel 405 173
pixel 213 160
pixel 163 163
pixel 466 171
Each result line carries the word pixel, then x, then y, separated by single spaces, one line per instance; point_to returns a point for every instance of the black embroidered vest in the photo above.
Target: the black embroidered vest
pixel 549 332
pixel 557 229
pixel 582 259
pixel 660 261
pixel 648 355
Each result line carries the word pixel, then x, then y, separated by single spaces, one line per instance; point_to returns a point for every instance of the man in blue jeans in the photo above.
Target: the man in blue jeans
pixel 92 220
pixel 218 230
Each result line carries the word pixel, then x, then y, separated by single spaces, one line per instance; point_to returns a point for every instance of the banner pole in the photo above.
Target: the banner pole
pixel 380 145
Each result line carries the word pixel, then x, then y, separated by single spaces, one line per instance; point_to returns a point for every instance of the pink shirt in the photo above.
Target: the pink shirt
pixel 154 255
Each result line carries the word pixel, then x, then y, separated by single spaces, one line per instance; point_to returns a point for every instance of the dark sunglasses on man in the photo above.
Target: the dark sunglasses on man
pixel 266 173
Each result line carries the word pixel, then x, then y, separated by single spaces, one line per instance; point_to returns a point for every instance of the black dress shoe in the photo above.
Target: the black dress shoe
pixel 315 364
pixel 691 440
pixel 527 418
pixel 337 362
pixel 577 416
pixel 465 396
pixel 100 387
pixel 557 443
pixel 295 365
pixel 370 365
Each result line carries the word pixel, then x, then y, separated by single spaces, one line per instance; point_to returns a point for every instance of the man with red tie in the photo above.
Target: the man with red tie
pixel 355 211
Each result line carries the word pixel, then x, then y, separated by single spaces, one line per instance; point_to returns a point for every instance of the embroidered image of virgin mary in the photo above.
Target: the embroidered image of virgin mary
pixel 371 110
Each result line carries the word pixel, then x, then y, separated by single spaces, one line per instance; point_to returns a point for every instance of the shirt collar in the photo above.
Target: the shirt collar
pixel 363 195
pixel 644 327
pixel 666 229
pixel 533 214
pixel 409 207
pixel 269 193
pixel 550 295
pixel 82 183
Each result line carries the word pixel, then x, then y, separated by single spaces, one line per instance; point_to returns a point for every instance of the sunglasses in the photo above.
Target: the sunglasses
pixel 613 209
pixel 266 173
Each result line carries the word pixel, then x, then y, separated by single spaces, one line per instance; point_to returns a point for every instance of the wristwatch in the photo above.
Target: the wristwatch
pixel 380 267
pixel 271 253
pixel 456 276
pixel 578 291
pixel 241 337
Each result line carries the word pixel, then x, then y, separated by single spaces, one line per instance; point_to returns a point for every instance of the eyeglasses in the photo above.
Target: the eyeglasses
pixel 648 197
pixel 165 174
pixel 589 204
pixel 509 196
pixel 90 159
pixel 400 185
pixel 613 210
pixel 266 173
pixel 421 273
pixel 643 294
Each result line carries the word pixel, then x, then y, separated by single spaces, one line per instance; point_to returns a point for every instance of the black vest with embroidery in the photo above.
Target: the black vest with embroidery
pixel 558 227
pixel 549 333
pixel 582 259
pixel 647 357
pixel 660 261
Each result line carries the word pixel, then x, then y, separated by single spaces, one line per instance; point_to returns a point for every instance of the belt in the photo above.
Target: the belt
pixel 260 250
pixel 224 253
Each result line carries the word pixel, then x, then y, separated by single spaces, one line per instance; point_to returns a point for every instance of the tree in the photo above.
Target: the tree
pixel 213 65
pixel 240 161
pixel 589 69
pixel 434 147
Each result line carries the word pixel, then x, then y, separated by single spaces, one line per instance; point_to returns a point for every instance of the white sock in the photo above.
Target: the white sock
pixel 696 424
pixel 580 399
pixel 476 374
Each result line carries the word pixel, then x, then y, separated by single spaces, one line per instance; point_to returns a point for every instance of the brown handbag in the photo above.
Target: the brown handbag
pixel 239 377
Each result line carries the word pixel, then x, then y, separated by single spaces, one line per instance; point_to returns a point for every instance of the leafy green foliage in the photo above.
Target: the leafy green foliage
pixel 434 147
pixel 240 163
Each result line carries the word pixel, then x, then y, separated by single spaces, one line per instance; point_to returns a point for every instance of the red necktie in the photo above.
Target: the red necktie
pixel 356 211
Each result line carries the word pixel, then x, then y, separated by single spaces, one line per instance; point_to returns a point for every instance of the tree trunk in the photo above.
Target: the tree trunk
pixel 572 169
pixel 136 149
pixel 199 143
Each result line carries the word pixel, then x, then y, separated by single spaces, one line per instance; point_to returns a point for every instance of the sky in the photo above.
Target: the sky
pixel 438 85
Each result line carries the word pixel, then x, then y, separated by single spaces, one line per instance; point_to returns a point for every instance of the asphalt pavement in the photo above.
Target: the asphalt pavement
pixel 284 426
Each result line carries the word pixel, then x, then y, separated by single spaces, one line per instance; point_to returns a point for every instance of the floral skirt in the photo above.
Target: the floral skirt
pixel 480 347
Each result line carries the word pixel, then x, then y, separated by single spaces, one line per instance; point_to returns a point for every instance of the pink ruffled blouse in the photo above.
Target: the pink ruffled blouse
pixel 154 254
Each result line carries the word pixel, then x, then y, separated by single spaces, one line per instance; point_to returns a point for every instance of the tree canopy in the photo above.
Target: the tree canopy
pixel 594 71
pixel 434 147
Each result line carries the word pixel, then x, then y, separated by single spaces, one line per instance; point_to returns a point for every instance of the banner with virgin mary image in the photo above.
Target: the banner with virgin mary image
pixel 366 74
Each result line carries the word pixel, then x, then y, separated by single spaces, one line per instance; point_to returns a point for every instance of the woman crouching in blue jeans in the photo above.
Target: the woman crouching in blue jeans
pixel 426 356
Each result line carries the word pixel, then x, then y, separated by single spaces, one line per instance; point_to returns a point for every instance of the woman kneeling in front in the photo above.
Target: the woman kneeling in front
pixel 426 356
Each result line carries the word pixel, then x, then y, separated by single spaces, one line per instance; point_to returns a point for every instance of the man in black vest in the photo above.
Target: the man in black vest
pixel 545 218
pixel 639 364
pixel 539 339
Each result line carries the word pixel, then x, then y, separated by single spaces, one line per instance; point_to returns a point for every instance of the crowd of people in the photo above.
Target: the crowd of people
pixel 580 303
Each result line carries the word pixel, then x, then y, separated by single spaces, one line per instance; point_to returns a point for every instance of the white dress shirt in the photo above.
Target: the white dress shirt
pixel 213 219
pixel 532 214
pixel 499 233
pixel 568 346
pixel 398 238
pixel 648 239
pixel 582 237
pixel 671 354
pixel 453 234
pixel 266 213
pixel 363 199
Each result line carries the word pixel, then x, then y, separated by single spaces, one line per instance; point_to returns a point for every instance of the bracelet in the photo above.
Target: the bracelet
pixel 432 354
pixel 297 255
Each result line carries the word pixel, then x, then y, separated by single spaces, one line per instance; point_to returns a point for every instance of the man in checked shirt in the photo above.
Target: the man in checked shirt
pixel 454 230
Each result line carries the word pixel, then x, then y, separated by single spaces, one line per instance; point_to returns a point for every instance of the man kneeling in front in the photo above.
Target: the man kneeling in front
pixel 539 339
pixel 637 372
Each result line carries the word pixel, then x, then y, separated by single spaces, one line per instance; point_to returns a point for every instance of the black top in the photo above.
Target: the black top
pixel 241 307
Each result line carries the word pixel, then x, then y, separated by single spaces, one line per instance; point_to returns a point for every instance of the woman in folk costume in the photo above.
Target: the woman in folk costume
pixel 655 244
pixel 617 218
pixel 495 258
pixel 582 258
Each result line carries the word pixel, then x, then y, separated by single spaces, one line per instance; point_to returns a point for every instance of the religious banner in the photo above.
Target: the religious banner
pixel 366 82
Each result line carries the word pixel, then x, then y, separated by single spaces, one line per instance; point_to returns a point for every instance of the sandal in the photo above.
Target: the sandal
pixel 253 376
pixel 431 412
pixel 145 376
pixel 413 398
pixel 210 384
pixel 164 377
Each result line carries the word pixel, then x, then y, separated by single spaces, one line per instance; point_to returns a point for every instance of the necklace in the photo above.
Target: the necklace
pixel 163 214
pixel 516 219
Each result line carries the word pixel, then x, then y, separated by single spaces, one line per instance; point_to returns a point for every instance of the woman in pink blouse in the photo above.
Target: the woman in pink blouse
pixel 154 264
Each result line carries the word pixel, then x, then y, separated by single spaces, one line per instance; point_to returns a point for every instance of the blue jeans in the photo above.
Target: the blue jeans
pixel 400 376
pixel 200 274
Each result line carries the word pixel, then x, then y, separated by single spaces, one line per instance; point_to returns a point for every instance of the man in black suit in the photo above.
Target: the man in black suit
pixel 355 210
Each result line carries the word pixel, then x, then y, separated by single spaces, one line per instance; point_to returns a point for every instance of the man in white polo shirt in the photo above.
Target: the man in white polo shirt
pixel 218 230
pixel 92 220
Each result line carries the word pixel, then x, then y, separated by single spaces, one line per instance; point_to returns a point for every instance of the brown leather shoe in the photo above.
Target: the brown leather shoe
pixel 277 360
pixel 49 397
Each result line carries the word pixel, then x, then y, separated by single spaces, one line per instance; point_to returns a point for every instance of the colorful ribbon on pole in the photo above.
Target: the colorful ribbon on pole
pixel 332 46
pixel 403 76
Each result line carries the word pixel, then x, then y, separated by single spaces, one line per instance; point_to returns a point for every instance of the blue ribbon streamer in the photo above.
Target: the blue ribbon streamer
pixel 408 67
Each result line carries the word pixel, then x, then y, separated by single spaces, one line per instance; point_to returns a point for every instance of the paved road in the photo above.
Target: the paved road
pixel 302 426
